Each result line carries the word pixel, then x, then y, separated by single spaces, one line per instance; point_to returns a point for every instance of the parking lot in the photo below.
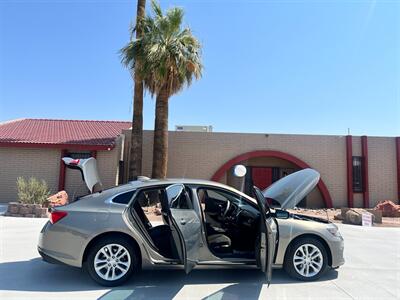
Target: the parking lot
pixel 372 271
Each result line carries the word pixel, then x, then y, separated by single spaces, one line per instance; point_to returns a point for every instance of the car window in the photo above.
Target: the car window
pixel 123 198
pixel 183 201
pixel 149 203
pixel 215 194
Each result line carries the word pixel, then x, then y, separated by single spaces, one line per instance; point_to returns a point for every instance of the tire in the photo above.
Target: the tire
pixel 308 267
pixel 113 270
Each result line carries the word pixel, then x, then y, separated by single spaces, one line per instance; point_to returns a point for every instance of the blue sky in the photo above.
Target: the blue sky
pixel 315 67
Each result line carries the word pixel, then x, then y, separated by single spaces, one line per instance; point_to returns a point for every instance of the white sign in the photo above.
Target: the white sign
pixel 366 219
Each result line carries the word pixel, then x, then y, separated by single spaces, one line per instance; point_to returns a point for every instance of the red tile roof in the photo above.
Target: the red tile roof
pixel 80 134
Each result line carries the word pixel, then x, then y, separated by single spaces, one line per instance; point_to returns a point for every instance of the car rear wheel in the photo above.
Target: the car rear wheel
pixel 111 261
pixel 306 259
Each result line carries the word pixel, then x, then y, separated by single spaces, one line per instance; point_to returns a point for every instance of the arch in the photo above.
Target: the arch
pixel 276 154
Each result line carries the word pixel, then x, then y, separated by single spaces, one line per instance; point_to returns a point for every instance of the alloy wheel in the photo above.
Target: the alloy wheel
pixel 112 262
pixel 308 260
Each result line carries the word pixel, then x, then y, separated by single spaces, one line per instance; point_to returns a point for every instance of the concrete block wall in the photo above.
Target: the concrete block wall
pixel 26 162
pixel 200 155
pixel 382 169
pixel 45 164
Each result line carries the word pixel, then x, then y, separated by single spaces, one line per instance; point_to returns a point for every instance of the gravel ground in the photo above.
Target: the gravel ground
pixel 328 214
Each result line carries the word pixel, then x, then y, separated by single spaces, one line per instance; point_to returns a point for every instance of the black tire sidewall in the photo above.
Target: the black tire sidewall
pixel 89 266
pixel 288 263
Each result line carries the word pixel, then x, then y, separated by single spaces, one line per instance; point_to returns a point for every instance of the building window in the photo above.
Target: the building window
pixel 358 174
pixel 79 155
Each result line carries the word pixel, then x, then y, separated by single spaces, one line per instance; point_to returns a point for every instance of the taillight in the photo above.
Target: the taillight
pixel 56 216
pixel 74 162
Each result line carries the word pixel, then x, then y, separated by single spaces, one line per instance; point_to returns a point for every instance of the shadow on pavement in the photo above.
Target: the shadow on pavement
pixel 36 275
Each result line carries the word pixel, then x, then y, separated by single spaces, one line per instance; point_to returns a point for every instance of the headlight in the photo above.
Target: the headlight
pixel 334 230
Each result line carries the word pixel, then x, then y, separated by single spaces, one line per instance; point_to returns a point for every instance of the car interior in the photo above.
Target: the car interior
pixel 229 222
pixel 159 231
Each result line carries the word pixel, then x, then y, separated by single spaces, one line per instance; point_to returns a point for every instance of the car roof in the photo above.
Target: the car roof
pixel 146 182
pixel 167 181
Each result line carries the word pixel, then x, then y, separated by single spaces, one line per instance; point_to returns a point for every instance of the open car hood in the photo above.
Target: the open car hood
pixel 88 168
pixel 291 189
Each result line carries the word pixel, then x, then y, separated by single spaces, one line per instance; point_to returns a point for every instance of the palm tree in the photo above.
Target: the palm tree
pixel 167 57
pixel 135 157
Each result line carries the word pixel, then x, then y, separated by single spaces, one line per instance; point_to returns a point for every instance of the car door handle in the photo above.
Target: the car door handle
pixel 183 221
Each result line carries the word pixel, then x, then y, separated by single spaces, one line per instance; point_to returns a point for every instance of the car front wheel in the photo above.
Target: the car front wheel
pixel 111 261
pixel 306 259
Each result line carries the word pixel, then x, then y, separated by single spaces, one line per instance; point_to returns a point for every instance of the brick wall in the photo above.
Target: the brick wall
pixel 45 164
pixel 382 169
pixel 200 155
pixel 16 162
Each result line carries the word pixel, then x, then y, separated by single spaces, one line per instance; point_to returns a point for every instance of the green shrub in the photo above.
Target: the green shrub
pixel 32 191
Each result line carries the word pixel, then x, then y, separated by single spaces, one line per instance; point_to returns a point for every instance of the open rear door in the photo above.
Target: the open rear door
pixel 267 238
pixel 185 225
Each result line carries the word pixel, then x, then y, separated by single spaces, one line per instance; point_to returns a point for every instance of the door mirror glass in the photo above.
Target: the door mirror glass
pixel 173 194
pixel 282 214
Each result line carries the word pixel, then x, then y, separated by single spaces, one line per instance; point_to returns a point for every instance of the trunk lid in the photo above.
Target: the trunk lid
pixel 88 169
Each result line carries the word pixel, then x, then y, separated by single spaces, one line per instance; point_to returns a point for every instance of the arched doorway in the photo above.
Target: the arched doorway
pixel 292 160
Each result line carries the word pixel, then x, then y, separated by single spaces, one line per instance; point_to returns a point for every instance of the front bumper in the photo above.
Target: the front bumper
pixel 337 251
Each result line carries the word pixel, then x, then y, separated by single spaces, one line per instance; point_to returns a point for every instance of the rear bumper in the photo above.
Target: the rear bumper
pixel 53 246
pixel 48 258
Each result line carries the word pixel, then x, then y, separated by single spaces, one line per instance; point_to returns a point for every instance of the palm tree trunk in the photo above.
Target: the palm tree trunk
pixel 135 158
pixel 160 146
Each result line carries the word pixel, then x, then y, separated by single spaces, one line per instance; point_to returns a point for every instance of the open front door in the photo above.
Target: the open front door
pixel 268 236
pixel 185 225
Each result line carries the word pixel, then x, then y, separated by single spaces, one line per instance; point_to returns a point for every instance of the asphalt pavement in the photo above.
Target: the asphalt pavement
pixel 371 271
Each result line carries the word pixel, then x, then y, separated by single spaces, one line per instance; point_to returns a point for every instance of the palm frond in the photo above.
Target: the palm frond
pixel 169 55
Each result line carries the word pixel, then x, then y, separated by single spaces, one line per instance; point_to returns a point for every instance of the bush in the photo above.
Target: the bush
pixel 32 191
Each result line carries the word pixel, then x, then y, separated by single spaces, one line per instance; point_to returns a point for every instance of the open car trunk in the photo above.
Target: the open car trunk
pixel 88 170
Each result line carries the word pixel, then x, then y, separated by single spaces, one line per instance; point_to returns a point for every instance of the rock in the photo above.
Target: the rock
pixel 353 217
pixel 29 215
pixel 24 209
pixel 14 215
pixel 338 217
pixel 343 212
pixel 13 207
pixel 61 198
pixel 41 212
pixel 388 208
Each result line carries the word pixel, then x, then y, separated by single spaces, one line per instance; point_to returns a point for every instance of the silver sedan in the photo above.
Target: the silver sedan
pixel 187 223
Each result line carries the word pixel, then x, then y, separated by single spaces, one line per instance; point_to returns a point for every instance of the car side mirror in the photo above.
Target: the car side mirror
pixel 282 214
